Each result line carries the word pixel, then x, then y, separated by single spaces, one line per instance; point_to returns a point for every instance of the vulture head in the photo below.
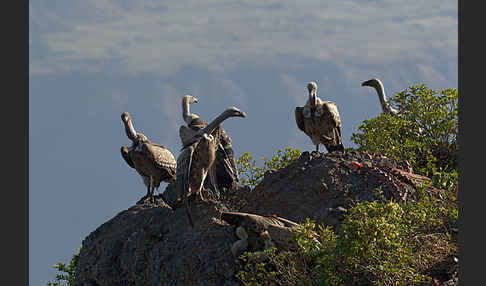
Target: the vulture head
pixel 229 112
pixel 127 121
pixel 189 99
pixel 125 116
pixel 234 112
pixel 312 87
pixel 374 82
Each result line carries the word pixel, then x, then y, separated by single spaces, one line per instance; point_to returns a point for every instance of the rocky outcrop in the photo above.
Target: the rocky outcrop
pixel 151 244
pixel 324 186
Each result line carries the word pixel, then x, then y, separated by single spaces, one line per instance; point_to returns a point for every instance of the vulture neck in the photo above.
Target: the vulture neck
pixel 381 95
pixel 312 98
pixel 186 114
pixel 132 135
pixel 216 122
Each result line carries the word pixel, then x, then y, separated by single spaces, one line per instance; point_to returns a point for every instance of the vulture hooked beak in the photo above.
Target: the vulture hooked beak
pixel 241 114
pixel 367 83
pixel 235 112
pixel 125 116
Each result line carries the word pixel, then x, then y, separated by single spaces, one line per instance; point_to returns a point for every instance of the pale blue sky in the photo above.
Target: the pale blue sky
pixel 91 60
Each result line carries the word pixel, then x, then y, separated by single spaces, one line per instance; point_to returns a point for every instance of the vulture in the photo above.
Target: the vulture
pixel 385 106
pixel 224 167
pixel 378 85
pixel 261 231
pixel 154 163
pixel 320 121
pixel 197 157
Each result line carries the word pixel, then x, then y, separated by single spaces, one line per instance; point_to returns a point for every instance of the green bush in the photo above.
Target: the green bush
pixel 67 272
pixel 424 133
pixel 373 249
pixel 278 268
pixel 251 175
pixel 379 243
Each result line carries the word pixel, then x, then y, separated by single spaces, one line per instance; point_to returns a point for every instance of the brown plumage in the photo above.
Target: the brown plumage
pixel 320 121
pixel 224 168
pixel 153 162
pixel 197 157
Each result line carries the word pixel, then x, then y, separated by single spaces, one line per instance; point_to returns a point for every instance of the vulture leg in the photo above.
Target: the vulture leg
pixel 146 196
pixel 152 189
pixel 184 181
pixel 201 191
pixel 148 192
pixel 166 202
pixel 151 197
pixel 214 180
pixel 317 148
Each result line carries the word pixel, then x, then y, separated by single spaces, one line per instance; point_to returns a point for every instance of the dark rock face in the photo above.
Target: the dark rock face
pixel 152 244
pixel 324 186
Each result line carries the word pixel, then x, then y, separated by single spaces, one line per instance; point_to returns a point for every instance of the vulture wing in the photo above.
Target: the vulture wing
pixel 161 157
pixel 225 160
pixel 331 119
pixel 299 118
pixel 225 146
pixel 331 112
pixel 198 123
pixel 125 154
pixel 186 133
